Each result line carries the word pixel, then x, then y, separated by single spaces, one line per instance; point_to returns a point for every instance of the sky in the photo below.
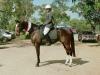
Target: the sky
pixel 40 2
pixel 69 13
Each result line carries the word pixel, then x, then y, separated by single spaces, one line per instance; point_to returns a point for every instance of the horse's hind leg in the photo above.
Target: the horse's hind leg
pixel 70 60
pixel 67 59
pixel 37 46
pixel 69 54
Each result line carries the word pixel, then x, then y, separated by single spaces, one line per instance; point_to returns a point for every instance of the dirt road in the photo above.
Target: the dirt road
pixel 16 59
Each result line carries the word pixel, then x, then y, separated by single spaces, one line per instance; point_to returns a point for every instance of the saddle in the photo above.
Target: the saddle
pixel 52 35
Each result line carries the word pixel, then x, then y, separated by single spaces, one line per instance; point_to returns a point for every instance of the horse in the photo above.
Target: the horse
pixel 64 35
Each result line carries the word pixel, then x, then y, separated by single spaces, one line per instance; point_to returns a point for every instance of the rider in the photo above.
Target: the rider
pixel 49 22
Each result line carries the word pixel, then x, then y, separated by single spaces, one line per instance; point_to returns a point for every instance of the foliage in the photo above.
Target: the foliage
pixel 15 9
pixel 24 9
pixel 90 10
pixel 59 11
pixel 80 25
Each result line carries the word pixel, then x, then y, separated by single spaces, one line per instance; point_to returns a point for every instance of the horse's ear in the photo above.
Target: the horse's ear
pixel 17 21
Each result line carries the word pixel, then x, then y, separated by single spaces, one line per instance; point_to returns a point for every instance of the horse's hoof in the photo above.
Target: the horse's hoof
pixel 66 63
pixel 70 65
pixel 37 65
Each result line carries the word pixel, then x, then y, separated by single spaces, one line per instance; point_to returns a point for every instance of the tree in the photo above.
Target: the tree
pixel 15 9
pixel 80 25
pixel 23 8
pixel 90 10
pixel 60 8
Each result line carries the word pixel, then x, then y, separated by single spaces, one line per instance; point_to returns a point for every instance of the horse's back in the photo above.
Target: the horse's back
pixel 66 33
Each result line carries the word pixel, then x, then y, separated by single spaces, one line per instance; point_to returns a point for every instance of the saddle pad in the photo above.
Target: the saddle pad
pixel 53 34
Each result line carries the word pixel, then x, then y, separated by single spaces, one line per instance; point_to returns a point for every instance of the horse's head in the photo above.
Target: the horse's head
pixel 22 26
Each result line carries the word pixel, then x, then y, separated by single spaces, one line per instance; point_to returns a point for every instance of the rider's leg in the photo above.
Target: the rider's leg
pixel 48 39
pixel 46 31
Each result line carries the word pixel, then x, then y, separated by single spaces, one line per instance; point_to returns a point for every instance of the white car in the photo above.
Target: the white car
pixel 87 36
pixel 4 37
pixel 7 35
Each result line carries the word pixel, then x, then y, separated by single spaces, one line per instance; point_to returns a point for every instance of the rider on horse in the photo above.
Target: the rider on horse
pixel 49 22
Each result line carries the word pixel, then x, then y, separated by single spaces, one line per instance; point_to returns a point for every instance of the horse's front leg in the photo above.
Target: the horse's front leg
pixel 69 54
pixel 37 46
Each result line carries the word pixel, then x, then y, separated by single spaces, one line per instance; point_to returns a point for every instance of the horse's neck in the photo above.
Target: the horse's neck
pixel 25 24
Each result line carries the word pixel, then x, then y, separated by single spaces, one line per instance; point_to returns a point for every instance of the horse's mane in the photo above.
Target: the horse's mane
pixel 33 24
pixel 38 26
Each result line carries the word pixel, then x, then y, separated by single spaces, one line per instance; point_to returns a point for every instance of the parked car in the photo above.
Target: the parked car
pixel 6 35
pixel 87 36
pixel 13 36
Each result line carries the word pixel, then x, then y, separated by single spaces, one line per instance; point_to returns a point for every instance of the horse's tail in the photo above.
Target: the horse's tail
pixel 73 45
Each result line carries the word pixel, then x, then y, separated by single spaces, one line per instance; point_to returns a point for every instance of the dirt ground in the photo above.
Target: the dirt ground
pixel 19 58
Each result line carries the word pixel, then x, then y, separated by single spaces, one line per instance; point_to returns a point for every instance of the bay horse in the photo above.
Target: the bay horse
pixel 64 35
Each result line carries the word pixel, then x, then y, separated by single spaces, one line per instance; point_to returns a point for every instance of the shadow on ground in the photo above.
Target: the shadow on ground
pixel 95 45
pixel 1 65
pixel 6 43
pixel 76 61
pixel 4 47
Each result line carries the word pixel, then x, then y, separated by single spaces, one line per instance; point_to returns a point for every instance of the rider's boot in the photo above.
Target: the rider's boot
pixel 49 42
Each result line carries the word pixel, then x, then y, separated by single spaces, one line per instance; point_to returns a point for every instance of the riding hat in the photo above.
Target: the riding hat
pixel 48 6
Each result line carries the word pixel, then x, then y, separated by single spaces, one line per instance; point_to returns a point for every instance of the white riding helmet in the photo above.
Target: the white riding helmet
pixel 48 7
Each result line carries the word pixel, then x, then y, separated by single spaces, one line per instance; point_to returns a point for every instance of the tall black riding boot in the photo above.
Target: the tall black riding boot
pixel 49 42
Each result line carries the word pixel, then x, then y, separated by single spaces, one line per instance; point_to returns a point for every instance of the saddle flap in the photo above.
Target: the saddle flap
pixel 53 34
